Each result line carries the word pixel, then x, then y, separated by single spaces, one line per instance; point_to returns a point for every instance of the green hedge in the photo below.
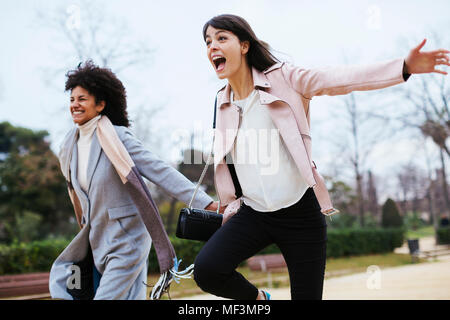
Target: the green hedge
pixel 39 255
pixel 341 242
pixel 443 235
pixel 353 242
pixel 30 257
pixel 186 250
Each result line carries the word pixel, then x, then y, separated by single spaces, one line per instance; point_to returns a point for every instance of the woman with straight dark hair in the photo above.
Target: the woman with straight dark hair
pixel 263 169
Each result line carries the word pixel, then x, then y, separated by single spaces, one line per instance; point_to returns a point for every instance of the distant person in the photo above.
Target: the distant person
pixel 444 221
pixel 280 198
pixel 113 244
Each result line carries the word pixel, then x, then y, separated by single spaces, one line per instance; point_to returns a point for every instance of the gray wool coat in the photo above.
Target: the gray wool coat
pixel 112 227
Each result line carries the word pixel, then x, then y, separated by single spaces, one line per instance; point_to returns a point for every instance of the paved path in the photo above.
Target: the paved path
pixel 430 280
pixel 422 281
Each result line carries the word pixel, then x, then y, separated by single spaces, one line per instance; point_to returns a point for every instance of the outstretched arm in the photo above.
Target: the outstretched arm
pixel 345 79
pixel 162 174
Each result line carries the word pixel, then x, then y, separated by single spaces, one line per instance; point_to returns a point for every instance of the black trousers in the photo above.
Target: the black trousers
pixel 300 233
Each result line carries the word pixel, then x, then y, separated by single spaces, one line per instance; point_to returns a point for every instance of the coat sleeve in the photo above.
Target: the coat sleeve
pixel 344 79
pixel 161 173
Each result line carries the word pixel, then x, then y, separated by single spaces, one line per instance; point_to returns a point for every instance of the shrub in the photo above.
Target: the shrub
pixel 36 256
pixel 391 215
pixel 186 250
pixel 350 242
pixel 443 235
pixel 342 220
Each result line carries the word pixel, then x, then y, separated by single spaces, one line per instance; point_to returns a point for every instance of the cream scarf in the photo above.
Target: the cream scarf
pixel 116 152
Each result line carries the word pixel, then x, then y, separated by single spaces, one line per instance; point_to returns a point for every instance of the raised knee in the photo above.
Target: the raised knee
pixel 205 275
pixel 201 274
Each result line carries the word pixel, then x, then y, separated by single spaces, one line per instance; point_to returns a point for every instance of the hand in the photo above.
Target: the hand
pixel 213 207
pixel 425 62
pixel 231 210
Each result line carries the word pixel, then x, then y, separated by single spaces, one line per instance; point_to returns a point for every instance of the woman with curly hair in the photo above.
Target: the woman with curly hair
pixel 108 257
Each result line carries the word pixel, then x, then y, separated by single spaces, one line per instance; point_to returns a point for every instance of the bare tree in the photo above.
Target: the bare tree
pixel 91 33
pixel 414 185
pixel 372 196
pixel 428 99
pixel 145 126
pixel 429 192
pixel 444 179
pixel 405 185
pixel 423 108
pixel 363 132
pixel 429 103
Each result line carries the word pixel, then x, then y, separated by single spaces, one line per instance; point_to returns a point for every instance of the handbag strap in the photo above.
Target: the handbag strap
pixel 211 154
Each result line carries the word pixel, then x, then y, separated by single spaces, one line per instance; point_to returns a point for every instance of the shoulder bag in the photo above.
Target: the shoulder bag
pixel 200 224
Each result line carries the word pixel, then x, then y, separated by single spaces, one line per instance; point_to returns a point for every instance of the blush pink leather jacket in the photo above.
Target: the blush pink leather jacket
pixel 286 91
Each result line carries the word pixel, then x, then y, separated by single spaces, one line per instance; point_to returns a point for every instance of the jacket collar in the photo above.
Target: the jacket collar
pixel 65 153
pixel 94 156
pixel 260 81
pixel 68 156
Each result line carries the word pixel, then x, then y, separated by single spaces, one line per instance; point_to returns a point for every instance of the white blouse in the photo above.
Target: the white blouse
pixel 84 149
pixel 269 178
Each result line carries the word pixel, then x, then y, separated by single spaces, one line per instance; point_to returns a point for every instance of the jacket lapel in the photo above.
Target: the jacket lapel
pixel 227 126
pixel 94 156
pixel 65 153
pixel 79 198
pixel 282 116
pixel 74 174
pixel 228 118
pixel 284 119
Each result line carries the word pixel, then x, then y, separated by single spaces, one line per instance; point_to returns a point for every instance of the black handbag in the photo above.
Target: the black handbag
pixel 199 224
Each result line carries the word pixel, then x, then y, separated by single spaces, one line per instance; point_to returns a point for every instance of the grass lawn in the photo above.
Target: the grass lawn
pixel 427 231
pixel 335 267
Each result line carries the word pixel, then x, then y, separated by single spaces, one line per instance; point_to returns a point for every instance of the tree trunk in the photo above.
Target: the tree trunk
pixel 444 181
pixel 372 198
pixel 171 216
pixel 360 197
pixel 433 212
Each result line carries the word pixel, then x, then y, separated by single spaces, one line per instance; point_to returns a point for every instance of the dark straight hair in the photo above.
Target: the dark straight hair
pixel 259 55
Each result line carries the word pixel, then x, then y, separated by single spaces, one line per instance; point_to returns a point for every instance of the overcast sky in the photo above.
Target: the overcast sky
pixel 178 76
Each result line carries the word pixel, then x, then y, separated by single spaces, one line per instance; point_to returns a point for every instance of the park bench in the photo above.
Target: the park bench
pixel 25 286
pixel 416 253
pixel 267 263
pixel 433 253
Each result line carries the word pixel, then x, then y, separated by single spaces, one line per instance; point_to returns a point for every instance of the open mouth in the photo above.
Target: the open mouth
pixel 219 63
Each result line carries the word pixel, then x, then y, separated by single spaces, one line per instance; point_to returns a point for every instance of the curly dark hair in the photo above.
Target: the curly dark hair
pixel 104 85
